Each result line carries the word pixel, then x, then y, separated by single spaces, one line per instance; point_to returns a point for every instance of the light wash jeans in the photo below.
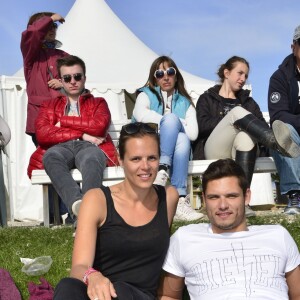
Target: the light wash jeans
pixel 86 157
pixel 175 147
pixel 288 168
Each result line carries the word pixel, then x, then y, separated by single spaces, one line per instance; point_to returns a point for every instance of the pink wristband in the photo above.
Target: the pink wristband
pixel 88 272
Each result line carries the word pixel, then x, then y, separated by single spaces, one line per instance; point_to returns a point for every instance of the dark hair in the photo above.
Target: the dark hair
pixel 230 64
pixel 141 132
pixel 179 85
pixel 224 168
pixel 39 15
pixel 70 61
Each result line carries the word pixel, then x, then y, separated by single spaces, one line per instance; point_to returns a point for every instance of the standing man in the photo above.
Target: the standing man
pixel 72 133
pixel 227 259
pixel 284 105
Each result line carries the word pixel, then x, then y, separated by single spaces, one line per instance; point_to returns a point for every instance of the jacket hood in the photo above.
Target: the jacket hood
pixel 288 66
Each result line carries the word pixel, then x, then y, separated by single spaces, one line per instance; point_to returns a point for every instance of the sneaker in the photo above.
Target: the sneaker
pixel 69 220
pixel 284 140
pixel 185 212
pixel 293 207
pixel 249 212
pixel 161 178
pixel 75 207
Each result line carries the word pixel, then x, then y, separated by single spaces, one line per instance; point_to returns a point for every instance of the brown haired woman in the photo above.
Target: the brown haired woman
pixel 165 101
pixel 231 124
pixel 123 230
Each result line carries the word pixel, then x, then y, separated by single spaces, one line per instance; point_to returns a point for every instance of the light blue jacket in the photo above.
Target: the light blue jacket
pixel 180 104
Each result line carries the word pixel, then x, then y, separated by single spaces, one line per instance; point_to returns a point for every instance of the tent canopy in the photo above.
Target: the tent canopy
pixel 116 60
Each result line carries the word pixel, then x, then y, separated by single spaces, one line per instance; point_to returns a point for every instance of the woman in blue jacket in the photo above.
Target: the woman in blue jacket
pixel 164 101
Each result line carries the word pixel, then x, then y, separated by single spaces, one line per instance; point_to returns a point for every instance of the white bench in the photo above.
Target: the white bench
pixel 113 175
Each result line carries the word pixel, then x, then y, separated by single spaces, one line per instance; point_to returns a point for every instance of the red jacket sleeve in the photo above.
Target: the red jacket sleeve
pixel 32 39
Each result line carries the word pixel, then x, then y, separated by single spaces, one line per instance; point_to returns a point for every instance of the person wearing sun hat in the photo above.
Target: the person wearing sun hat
pixel 284 105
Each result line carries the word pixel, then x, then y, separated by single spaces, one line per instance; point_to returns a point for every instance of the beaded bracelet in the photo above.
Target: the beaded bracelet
pixel 88 272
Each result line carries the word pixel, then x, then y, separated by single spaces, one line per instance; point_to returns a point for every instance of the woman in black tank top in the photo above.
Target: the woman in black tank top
pixel 123 230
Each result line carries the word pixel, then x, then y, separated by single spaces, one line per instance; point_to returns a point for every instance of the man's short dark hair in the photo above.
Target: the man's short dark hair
pixel 70 61
pixel 224 168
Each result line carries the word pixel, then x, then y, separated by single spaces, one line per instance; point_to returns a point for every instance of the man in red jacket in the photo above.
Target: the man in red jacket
pixel 71 131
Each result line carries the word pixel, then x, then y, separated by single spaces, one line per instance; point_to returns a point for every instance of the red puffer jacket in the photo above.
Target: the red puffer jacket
pixel 94 120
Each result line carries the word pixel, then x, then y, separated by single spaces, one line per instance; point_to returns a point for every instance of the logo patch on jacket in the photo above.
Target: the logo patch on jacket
pixel 275 97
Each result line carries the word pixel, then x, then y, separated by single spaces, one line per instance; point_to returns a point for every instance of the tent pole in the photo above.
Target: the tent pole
pixel 3 216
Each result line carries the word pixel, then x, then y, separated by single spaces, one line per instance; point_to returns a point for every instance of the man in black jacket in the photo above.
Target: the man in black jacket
pixel 284 105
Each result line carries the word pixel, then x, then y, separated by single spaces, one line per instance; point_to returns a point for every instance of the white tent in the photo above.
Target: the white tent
pixel 116 61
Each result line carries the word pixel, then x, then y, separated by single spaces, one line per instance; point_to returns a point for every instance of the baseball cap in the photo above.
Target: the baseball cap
pixel 296 35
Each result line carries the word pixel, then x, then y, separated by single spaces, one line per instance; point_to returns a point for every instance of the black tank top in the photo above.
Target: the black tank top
pixel 133 254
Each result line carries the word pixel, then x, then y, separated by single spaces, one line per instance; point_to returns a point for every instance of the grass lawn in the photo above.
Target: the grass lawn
pixel 31 242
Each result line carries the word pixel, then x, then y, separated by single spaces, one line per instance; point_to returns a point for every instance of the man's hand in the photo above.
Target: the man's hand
pixel 57 18
pixel 97 140
pixel 55 84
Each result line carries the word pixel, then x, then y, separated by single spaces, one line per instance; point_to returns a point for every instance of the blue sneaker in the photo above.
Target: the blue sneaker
pixel 293 207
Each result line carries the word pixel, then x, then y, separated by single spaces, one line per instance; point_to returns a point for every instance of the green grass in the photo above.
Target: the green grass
pixel 31 242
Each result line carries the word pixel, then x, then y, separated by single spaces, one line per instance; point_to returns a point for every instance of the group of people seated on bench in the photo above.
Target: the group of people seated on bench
pixel 69 126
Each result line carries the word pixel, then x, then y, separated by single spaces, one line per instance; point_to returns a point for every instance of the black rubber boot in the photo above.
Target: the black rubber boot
pixel 278 139
pixel 246 160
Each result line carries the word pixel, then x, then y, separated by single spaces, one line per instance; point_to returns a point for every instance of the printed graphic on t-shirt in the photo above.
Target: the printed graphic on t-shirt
pixel 238 268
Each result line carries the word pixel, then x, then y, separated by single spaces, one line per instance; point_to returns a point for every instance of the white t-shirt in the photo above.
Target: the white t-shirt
pixel 241 265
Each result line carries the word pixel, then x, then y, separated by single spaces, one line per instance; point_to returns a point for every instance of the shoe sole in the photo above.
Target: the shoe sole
pixel 292 211
pixel 181 218
pixel 76 207
pixel 283 137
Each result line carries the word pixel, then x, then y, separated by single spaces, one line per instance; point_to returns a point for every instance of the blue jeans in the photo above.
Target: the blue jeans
pixel 86 157
pixel 175 147
pixel 288 168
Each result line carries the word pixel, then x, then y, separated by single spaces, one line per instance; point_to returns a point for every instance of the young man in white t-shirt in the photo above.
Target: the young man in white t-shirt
pixel 227 259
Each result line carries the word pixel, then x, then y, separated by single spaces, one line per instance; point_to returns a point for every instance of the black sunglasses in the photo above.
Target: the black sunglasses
pixel 68 77
pixel 136 127
pixel 54 25
pixel 297 41
pixel 158 74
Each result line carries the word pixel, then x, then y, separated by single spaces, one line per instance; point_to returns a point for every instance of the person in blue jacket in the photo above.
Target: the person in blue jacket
pixel 284 105
pixel 164 101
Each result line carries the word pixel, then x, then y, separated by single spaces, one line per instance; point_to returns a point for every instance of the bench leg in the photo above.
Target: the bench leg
pixel 46 206
pixel 3 212
pixel 56 208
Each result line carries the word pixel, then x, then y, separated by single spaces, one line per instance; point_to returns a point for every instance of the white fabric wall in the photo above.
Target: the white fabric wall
pixel 26 200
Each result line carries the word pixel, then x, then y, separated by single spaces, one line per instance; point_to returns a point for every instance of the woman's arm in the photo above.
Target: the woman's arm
pixel 190 123
pixel 142 111
pixel 91 216
pixel 209 114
